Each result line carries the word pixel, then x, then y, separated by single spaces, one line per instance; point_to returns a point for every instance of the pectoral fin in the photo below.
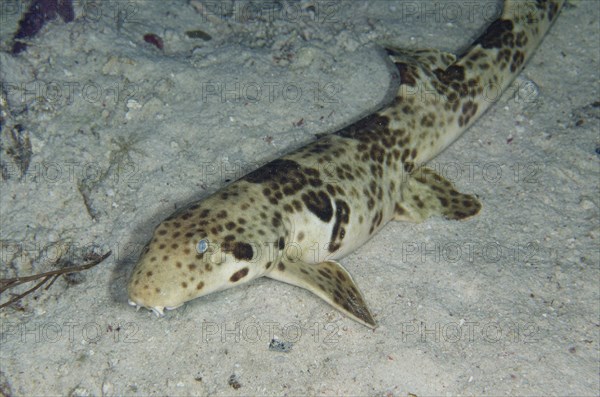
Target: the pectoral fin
pixel 331 282
pixel 427 194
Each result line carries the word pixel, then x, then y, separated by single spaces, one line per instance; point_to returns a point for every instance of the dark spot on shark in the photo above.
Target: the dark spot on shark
pixel 241 251
pixel 319 204
pixel 407 74
pixel 493 35
pixel 342 217
pixel 238 275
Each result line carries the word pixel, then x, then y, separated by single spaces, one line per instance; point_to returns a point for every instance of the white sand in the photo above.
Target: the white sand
pixel 506 303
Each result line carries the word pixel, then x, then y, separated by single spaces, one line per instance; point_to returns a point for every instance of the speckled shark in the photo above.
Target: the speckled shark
pixel 326 199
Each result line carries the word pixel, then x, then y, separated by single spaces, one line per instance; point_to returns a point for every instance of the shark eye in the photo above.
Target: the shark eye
pixel 202 246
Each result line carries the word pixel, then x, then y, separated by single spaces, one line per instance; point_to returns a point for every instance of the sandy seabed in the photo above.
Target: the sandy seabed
pixel 104 135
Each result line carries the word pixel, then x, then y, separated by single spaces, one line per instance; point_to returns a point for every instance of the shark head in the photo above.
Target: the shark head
pixel 199 250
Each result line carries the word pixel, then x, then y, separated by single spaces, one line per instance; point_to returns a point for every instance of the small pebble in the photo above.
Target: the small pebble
pixel 234 382
pixel 154 39
pixel 280 346
pixel 198 34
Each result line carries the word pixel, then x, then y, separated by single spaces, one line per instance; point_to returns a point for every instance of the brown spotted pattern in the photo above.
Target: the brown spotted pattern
pixel 327 198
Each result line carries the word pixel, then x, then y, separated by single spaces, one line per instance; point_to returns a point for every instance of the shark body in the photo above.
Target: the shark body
pixel 293 218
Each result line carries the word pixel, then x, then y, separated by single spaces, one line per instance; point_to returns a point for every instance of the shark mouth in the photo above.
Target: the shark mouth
pixel 158 310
